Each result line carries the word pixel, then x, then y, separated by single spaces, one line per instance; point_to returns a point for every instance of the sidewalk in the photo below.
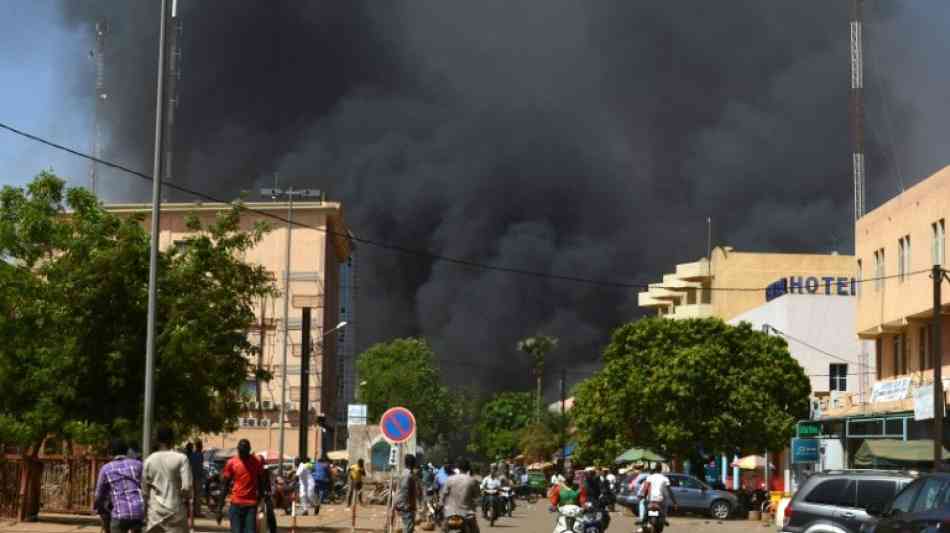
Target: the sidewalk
pixel 331 518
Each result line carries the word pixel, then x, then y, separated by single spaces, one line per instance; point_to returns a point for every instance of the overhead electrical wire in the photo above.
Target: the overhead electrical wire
pixel 390 246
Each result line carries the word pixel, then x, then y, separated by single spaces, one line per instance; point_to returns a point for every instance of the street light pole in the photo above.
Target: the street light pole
pixel 275 194
pixel 153 249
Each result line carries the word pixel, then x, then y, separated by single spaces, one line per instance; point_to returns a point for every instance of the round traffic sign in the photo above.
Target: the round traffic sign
pixel 398 425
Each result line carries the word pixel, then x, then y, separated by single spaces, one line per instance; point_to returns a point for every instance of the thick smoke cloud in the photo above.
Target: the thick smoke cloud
pixel 583 138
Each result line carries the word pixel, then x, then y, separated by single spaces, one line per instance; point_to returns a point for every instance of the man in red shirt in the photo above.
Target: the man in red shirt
pixel 244 473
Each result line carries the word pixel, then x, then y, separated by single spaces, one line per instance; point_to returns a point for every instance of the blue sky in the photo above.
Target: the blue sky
pixel 39 91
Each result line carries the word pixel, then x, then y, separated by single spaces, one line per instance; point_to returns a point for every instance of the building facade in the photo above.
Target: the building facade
pixel 896 246
pixel 730 283
pixel 319 245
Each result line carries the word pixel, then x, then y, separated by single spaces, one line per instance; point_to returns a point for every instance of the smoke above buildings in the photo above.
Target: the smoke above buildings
pixel 588 139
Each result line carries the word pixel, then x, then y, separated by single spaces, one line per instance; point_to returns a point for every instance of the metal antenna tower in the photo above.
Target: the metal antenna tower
pixel 173 76
pixel 97 54
pixel 857 105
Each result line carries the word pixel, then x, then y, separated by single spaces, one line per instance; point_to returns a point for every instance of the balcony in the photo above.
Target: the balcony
pixel 658 292
pixel 645 299
pixel 695 271
pixel 682 312
pixel 672 281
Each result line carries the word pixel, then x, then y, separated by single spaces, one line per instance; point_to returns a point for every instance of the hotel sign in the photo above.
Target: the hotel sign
pixel 827 285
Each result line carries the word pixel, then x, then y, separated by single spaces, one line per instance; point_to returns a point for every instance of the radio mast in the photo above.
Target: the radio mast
pixel 857 105
pixel 97 54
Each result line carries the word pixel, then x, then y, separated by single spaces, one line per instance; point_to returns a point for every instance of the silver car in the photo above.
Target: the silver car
pixel 693 495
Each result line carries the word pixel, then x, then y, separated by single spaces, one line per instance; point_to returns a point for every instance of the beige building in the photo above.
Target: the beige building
pixel 318 249
pixel 731 282
pixel 901 241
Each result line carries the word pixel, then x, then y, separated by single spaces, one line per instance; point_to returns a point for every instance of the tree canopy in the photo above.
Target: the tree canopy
pixel 403 372
pixel 73 302
pixel 501 419
pixel 680 385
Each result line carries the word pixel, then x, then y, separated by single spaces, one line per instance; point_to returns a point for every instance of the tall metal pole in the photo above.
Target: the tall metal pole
pixel 563 421
pixel 938 371
pixel 283 368
pixel 857 106
pixel 153 252
pixel 304 423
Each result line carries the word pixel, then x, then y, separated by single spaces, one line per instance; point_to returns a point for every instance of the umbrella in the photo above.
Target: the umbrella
pixel 751 462
pixel 271 456
pixel 639 455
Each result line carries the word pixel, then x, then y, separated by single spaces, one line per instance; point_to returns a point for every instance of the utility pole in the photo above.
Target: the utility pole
pixel 304 434
pixel 290 194
pixel 153 251
pixel 938 275
pixel 563 420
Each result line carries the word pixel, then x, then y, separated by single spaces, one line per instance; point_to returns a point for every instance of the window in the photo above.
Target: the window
pixel 904 500
pixel 859 277
pixel 879 269
pixel 834 491
pixel 690 483
pixel 938 246
pixel 878 357
pixel 875 493
pixel 928 495
pixel 903 257
pixel 838 377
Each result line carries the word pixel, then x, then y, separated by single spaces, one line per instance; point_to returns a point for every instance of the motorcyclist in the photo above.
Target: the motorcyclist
pixel 656 489
pixel 490 482
pixel 460 496
pixel 568 492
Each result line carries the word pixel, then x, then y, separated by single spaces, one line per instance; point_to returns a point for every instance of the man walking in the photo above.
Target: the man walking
pixel 197 460
pixel 408 496
pixel 245 474
pixel 322 479
pixel 305 485
pixel 356 473
pixel 119 491
pixel 166 486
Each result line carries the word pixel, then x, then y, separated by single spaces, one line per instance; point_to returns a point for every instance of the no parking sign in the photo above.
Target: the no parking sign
pixel 398 425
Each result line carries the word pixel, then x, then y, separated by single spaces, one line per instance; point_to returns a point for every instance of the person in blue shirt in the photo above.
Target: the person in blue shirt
pixel 443 475
pixel 322 478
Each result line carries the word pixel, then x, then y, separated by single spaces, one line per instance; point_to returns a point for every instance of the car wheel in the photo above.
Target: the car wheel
pixel 720 509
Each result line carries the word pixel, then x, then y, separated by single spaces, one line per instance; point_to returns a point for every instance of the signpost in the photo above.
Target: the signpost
pixel 804 451
pixel 398 425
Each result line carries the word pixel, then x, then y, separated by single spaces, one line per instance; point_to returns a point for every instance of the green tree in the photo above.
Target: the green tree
pixel 403 372
pixel 675 385
pixel 73 298
pixel 538 347
pixel 498 431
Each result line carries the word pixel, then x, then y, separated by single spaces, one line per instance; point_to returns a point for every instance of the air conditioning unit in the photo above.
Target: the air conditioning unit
pixel 252 405
pixel 290 406
pixel 250 422
pixel 264 423
pixel 267 405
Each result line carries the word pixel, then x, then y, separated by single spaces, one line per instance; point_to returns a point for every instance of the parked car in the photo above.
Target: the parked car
pixel 924 505
pixel 838 501
pixel 694 495
pixel 626 497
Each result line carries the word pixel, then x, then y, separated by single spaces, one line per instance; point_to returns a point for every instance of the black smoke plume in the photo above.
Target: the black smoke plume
pixel 589 139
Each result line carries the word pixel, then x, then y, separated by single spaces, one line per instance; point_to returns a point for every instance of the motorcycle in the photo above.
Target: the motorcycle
pixel 434 511
pixel 459 523
pixel 507 501
pixel 215 493
pixel 576 519
pixel 655 519
pixel 490 505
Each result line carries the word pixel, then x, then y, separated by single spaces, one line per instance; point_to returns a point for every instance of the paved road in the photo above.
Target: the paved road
pixel 537 519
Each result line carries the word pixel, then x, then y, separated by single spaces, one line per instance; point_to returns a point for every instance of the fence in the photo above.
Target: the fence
pixel 67 485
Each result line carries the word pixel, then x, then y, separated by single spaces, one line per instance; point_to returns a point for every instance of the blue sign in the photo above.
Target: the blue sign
pixel 827 285
pixel 804 451
pixel 397 425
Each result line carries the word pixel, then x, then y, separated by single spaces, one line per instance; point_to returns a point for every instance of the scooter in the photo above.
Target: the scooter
pixel 490 506
pixel 655 518
pixel 576 519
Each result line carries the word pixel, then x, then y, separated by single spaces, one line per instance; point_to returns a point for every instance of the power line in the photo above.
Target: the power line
pixel 812 346
pixel 395 247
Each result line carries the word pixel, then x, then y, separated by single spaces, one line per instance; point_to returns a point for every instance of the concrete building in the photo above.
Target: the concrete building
pixel 897 244
pixel 319 246
pixel 730 282
pixel 820 334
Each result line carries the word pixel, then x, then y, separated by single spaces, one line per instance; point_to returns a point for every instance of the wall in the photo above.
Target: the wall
pixel 815 326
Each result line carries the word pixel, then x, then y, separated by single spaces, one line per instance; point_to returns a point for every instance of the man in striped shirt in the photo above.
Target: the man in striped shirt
pixel 119 491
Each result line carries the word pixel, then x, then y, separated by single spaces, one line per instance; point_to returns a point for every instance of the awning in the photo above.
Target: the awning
pixel 639 455
pixel 751 462
pixel 884 452
pixel 338 455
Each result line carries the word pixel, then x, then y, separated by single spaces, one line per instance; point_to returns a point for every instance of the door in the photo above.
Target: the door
pixel 688 492
pixel 928 508
pixel 894 519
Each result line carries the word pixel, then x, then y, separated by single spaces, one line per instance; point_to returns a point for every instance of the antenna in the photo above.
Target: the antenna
pixel 97 54
pixel 172 77
pixel 857 105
